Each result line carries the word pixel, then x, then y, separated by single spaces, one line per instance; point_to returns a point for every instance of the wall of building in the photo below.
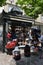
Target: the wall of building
pixel 41 26
pixel 11 1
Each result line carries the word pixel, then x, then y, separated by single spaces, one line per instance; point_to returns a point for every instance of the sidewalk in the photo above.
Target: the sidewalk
pixel 8 60
pixel 5 59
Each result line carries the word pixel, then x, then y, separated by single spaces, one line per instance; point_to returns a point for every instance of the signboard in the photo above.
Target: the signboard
pixel 23 24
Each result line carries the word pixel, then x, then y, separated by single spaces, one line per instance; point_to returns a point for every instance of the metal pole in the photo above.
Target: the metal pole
pixel 4 34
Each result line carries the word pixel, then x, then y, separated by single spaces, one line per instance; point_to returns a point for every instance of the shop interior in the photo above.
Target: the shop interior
pixel 20 32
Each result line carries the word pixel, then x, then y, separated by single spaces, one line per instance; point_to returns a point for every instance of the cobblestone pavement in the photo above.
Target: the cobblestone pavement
pixel 8 60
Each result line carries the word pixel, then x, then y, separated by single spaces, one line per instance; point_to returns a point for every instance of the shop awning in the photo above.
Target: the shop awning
pixel 20 19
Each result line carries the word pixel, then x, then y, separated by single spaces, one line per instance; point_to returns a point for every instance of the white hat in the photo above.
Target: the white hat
pixel 14 39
